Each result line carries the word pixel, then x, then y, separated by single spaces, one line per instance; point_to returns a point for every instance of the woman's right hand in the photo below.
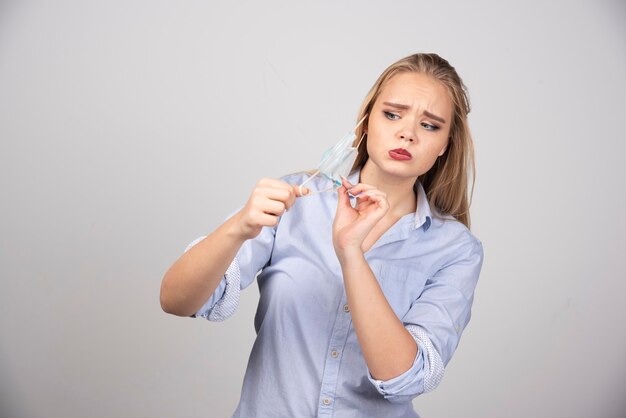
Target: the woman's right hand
pixel 193 278
pixel 268 201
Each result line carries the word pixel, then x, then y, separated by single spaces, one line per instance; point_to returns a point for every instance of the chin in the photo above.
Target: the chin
pixel 398 169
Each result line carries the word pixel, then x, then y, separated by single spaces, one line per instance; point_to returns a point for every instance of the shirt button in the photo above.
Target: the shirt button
pixel 346 308
pixel 334 354
pixel 326 401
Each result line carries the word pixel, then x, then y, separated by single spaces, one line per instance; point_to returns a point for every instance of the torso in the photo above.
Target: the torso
pixel 377 232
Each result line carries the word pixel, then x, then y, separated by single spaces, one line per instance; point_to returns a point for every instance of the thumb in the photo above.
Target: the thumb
pixel 343 200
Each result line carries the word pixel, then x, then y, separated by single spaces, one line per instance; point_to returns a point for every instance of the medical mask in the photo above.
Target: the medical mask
pixel 338 160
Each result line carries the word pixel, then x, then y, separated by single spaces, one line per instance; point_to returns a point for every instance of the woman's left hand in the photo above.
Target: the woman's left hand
pixel 352 225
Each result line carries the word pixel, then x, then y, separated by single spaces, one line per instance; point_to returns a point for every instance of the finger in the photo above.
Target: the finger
pixel 272 207
pixel 372 197
pixel 369 194
pixel 364 204
pixel 380 200
pixel 342 197
pixel 360 188
pixel 372 193
pixel 265 219
pixel 346 183
pixel 279 184
pixel 275 184
pixel 289 198
pixel 286 196
pixel 300 191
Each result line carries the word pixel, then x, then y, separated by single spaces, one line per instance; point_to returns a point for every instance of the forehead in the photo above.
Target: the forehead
pixel 420 91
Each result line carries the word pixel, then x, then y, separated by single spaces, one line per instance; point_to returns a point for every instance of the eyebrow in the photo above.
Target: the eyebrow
pixel 426 112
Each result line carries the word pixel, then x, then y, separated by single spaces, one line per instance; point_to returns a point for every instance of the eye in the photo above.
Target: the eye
pixel 429 127
pixel 391 116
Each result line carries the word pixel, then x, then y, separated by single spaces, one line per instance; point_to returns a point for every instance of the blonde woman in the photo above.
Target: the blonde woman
pixel 361 304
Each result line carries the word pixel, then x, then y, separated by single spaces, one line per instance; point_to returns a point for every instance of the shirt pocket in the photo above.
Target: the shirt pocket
pixel 401 286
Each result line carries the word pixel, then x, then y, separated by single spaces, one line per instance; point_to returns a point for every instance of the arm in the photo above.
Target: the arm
pixel 193 278
pixel 435 320
pixel 388 347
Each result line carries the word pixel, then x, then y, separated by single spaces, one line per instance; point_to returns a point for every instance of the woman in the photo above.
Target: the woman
pixel 361 304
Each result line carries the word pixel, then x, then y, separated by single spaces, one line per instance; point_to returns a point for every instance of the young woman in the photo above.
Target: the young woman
pixel 361 304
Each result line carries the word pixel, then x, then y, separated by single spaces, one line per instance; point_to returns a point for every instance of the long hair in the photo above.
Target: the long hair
pixel 446 183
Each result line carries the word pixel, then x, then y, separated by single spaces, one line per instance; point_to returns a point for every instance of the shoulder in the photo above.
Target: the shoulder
pixel 317 183
pixel 296 177
pixel 457 237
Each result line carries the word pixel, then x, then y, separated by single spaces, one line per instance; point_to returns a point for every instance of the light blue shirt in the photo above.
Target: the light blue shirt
pixel 306 360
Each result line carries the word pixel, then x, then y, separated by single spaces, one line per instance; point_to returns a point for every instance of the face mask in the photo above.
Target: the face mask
pixel 338 160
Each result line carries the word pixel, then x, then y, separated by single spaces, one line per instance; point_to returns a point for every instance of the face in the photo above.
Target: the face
pixel 408 126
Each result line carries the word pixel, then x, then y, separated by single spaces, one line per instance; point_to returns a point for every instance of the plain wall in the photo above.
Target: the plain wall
pixel 129 128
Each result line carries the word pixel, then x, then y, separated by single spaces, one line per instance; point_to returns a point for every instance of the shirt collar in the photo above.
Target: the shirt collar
pixel 423 214
pixel 354 177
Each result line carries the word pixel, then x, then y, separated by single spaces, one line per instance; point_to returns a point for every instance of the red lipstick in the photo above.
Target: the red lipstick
pixel 400 154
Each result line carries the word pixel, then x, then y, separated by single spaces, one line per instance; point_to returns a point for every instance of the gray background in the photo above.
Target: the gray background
pixel 129 128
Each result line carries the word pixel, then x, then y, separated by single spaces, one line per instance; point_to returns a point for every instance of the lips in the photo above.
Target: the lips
pixel 400 154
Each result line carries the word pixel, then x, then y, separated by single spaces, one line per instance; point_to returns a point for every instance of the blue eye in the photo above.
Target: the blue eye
pixel 391 116
pixel 429 127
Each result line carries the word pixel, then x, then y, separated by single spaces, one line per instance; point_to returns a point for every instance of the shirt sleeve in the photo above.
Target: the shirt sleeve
pixel 253 255
pixel 436 321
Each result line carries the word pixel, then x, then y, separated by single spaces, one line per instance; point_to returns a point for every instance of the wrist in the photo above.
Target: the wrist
pixel 234 229
pixel 350 255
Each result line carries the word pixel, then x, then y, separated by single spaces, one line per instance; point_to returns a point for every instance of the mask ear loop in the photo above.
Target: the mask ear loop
pixel 360 122
pixel 317 192
pixel 305 182
pixel 318 171
pixel 360 140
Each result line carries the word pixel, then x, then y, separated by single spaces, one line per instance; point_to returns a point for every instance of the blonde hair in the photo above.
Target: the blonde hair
pixel 446 183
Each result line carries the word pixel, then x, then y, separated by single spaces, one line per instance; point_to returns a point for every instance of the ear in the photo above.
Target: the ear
pixel 444 149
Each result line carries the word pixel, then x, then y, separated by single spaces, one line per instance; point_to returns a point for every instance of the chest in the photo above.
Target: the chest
pixel 378 232
pixel 304 272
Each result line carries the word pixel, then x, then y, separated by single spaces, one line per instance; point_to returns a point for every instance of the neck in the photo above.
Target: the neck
pixel 399 190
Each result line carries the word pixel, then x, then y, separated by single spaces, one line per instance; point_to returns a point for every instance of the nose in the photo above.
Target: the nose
pixel 407 132
pixel 406 137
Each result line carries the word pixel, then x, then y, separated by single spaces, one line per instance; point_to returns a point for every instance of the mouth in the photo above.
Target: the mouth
pixel 400 154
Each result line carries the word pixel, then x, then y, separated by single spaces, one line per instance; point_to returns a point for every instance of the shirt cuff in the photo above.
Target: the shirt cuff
pixel 225 299
pixel 423 376
pixel 433 364
pixel 404 387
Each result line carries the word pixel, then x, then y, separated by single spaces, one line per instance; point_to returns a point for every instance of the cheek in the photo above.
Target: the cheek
pixel 373 140
pixel 440 142
pixel 427 162
pixel 431 153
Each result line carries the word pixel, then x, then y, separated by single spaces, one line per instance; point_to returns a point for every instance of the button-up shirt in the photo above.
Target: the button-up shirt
pixel 306 360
